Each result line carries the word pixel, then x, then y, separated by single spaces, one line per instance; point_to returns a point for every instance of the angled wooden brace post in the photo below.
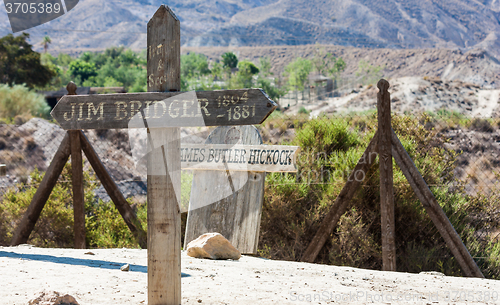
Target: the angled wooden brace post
pixel 341 203
pixel 434 210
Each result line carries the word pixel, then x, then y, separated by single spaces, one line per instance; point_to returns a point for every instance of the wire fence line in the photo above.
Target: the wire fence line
pixel 473 143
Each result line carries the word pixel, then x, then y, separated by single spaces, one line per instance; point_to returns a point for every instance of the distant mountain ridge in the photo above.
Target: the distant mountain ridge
pixel 95 24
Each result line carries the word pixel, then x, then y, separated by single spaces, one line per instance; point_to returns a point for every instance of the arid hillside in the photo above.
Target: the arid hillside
pixel 475 66
pixel 396 24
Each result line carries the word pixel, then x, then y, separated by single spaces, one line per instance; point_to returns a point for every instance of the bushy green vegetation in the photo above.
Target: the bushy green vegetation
pixel 230 60
pixel 19 100
pixel 54 228
pixel 323 63
pixel 121 67
pixel 297 72
pixel 115 67
pixel 296 203
pixel 228 73
pixel 19 64
pixel 326 64
pixel 105 227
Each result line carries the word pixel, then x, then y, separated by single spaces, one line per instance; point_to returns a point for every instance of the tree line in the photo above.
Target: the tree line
pixel 120 67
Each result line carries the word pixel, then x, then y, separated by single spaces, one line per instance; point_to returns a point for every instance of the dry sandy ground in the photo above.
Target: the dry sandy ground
pixel 97 279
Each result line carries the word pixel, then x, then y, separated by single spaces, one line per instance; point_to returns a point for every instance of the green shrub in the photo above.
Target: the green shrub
pixel 303 110
pixel 54 228
pixel 483 125
pixel 19 100
pixel 295 205
pixel 105 228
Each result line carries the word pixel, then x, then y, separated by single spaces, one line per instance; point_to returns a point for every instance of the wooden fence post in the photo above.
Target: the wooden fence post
pixel 389 146
pixel 386 177
pixel 77 181
pixel 77 186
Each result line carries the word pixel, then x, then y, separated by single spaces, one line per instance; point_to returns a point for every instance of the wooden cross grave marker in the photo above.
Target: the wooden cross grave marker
pixel 162 111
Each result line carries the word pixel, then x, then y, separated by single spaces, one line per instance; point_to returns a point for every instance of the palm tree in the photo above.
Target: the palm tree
pixel 45 42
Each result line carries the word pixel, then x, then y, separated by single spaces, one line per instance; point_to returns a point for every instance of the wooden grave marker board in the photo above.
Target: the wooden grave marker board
pixel 163 109
pixel 228 200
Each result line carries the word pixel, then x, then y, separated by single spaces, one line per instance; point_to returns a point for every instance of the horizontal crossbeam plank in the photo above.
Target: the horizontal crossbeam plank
pixel 163 109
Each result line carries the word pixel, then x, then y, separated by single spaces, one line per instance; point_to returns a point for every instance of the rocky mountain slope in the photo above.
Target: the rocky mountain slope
pixel 464 24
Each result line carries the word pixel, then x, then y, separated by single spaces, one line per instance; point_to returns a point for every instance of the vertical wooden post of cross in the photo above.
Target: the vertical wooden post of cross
pixel 77 181
pixel 164 221
pixel 386 177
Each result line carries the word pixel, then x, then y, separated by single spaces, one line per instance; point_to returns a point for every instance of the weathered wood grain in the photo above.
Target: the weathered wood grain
pixel 49 180
pixel 342 202
pixel 228 202
pixel 163 109
pixel 77 186
pixel 114 193
pixel 256 158
pixel 386 177
pixel 164 221
pixel 433 209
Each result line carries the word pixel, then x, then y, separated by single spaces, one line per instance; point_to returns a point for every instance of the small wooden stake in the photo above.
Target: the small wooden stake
pixel 434 210
pixel 114 193
pixel 342 202
pixel 386 177
pixel 164 164
pixel 49 180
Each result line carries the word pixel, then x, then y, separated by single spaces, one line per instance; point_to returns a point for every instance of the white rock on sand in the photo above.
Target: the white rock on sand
pixel 213 246
pixel 97 279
